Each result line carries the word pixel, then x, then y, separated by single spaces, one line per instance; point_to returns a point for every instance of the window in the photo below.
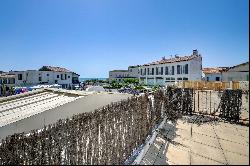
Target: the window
pixel 20 76
pixel 12 81
pixel 166 70
pixel 179 78
pixel 178 69
pixel 47 74
pixel 217 78
pixel 68 76
pixel 39 78
pixel 61 76
pixel 56 81
pixel 153 71
pixel 148 71
pixel 156 70
pixel 172 70
pixel 207 78
pixel 161 70
pixel 167 79
pixel 185 78
pixel 130 70
pixel 172 79
pixel 145 71
pixel 186 68
pixel 141 71
pixel 57 76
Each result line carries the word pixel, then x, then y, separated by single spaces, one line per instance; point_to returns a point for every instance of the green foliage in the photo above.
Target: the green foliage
pixel 4 90
pixel 12 90
pixel 131 81
pixel 155 87
pixel 139 87
pixel 115 85
pixel 93 81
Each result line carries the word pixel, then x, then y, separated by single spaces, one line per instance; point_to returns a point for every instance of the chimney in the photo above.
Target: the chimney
pixel 195 52
pixel 163 58
pixel 176 56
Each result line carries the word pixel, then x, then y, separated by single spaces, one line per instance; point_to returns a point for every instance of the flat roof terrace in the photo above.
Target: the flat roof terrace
pixel 185 143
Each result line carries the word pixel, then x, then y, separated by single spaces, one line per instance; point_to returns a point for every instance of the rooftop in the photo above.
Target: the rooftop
pixel 172 60
pixel 245 63
pixel 31 104
pixel 134 66
pixel 7 75
pixel 32 110
pixel 56 69
pixel 214 70
pixel 119 71
pixel 188 143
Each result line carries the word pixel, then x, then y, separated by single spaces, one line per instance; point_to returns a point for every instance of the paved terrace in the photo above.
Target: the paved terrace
pixel 190 144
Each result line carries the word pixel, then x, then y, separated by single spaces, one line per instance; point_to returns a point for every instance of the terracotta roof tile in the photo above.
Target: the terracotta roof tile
pixel 56 69
pixel 172 60
pixel 210 70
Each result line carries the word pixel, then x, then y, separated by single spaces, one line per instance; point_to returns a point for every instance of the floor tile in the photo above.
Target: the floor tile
pixel 236 159
pixel 207 151
pixel 199 160
pixel 234 147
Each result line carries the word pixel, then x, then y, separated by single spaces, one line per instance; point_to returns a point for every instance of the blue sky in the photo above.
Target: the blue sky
pixel 92 37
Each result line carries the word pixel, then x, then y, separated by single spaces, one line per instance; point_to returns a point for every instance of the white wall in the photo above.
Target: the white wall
pixel 32 77
pixel 212 76
pixel 238 73
pixel 133 71
pixel 194 71
pixel 235 76
pixel 117 75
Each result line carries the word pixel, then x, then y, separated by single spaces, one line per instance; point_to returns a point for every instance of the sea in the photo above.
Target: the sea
pixel 84 79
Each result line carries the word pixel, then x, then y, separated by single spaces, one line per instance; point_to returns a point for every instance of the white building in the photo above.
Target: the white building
pixel 237 73
pixel 119 75
pixel 168 71
pixel 45 75
pixel 213 74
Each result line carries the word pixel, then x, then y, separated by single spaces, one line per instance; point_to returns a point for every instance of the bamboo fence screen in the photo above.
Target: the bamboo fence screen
pixel 107 135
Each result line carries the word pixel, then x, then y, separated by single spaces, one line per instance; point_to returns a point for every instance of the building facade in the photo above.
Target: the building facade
pixel 45 75
pixel 237 73
pixel 168 71
pixel 120 75
pixel 213 74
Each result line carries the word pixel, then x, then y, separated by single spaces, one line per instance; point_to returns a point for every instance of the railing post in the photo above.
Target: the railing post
pixel 198 101
pixel 210 102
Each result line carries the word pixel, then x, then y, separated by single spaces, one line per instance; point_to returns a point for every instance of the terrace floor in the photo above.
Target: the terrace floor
pixel 184 143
